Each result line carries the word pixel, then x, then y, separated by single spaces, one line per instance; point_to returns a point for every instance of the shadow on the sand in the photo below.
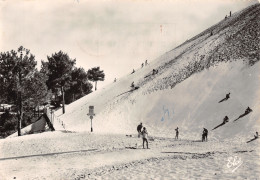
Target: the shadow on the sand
pixel 130 147
pixel 242 115
pixel 225 99
pixel 251 140
pixel 196 141
pixel 218 126
pixel 47 154
pixel 135 88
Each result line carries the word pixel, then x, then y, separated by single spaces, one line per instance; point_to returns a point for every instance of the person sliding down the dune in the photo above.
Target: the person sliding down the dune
pixel 248 110
pixel 225 120
pixel 256 135
pixel 226 98
pixel 132 85
pixel 155 71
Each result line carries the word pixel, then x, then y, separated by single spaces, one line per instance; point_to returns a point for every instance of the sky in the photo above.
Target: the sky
pixel 116 35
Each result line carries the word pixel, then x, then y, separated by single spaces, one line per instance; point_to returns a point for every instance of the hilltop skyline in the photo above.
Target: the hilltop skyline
pixel 117 36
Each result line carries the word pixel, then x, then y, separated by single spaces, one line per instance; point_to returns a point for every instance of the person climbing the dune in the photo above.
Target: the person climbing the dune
pixel 139 129
pixel 177 133
pixel 145 137
pixel 146 63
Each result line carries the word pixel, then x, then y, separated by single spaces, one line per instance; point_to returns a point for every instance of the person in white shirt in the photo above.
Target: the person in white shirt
pixel 145 137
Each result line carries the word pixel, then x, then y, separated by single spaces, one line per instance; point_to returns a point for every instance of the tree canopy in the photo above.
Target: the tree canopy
pixel 22 83
pixel 95 74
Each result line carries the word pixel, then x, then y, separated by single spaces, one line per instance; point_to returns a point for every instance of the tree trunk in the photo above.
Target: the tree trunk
pixel 34 111
pixel 20 114
pixel 63 100
pixel 38 111
pixel 20 110
pixel 95 85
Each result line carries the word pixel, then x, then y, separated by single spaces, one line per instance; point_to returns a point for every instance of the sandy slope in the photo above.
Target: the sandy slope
pixel 191 80
pixel 185 93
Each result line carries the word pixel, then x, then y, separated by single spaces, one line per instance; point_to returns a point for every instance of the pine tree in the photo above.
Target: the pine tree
pixel 95 75
pixel 22 84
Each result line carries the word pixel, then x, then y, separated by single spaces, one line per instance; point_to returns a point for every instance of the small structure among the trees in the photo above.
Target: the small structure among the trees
pixel 43 124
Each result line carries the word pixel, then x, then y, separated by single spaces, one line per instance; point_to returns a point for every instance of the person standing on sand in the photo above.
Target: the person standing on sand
pixel 145 137
pixel 205 135
pixel 177 133
pixel 139 129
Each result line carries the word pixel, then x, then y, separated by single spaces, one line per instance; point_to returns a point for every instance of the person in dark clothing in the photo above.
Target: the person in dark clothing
pixel 132 85
pixel 256 135
pixel 145 137
pixel 205 135
pixel 155 71
pixel 248 110
pixel 133 71
pixel 177 133
pixel 225 120
pixel 139 129
pixel 228 96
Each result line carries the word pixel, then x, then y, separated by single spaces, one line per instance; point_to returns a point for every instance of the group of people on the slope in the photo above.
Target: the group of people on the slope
pixel 229 15
pixel 142 65
pixel 143 133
